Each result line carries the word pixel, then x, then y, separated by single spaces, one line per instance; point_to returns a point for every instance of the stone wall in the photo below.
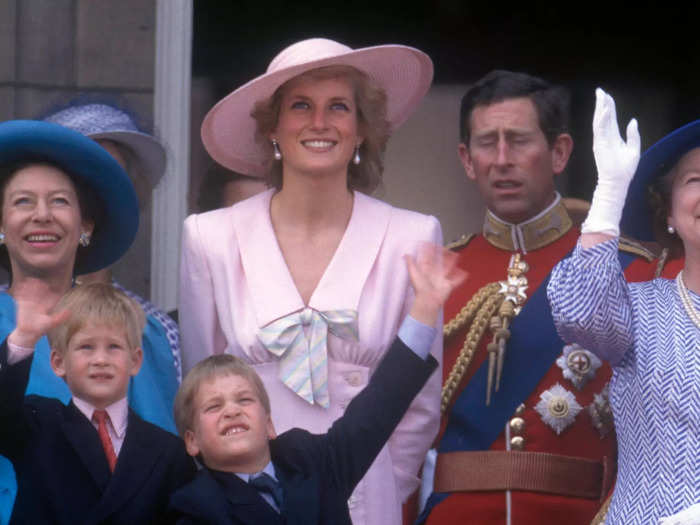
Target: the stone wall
pixel 53 51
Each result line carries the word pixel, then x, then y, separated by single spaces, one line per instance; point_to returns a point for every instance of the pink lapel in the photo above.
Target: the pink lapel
pixel 266 272
pixel 343 281
pixel 271 286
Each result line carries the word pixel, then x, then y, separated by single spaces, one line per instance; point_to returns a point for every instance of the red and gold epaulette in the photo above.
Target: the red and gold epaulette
pixel 461 242
pixel 626 244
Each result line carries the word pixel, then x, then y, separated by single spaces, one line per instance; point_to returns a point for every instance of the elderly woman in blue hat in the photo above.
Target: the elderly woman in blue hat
pixel 67 208
pixel 650 332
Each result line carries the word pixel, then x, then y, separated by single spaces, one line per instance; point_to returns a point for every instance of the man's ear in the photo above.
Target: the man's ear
pixel 191 444
pixel 466 159
pixel 57 363
pixel 561 151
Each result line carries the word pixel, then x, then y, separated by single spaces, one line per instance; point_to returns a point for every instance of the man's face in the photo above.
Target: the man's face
pixel 510 160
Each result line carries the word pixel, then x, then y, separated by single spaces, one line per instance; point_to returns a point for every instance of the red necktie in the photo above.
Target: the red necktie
pixel 100 417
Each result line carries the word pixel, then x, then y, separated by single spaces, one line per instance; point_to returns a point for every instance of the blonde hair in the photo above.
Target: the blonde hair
pixel 371 121
pixel 212 367
pixel 98 303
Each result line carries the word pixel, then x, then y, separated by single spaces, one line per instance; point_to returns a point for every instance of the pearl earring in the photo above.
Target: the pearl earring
pixel 276 150
pixel 356 159
pixel 671 230
pixel 2 238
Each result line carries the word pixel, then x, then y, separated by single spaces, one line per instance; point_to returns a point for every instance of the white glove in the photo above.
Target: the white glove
pixel 689 516
pixel 616 161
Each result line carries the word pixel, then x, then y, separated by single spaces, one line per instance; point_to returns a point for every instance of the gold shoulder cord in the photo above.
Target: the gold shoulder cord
pixel 599 518
pixel 506 297
pixel 663 259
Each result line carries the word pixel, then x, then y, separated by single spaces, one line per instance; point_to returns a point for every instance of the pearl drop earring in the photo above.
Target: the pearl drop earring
pixel 276 150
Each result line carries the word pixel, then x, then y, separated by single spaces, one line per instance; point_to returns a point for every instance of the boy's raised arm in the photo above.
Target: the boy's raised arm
pixel 355 439
pixel 434 274
pixel 34 318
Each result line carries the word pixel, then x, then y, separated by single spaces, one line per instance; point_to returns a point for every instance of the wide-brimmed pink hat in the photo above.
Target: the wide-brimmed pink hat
pixel 228 130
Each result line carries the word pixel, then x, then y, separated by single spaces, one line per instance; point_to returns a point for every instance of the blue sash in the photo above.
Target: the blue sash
pixel 533 347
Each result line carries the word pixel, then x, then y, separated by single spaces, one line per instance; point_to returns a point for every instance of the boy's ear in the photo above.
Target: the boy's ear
pixel 191 444
pixel 136 360
pixel 58 363
pixel 271 434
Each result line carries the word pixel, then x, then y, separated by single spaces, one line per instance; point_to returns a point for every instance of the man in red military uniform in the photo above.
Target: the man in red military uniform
pixel 527 434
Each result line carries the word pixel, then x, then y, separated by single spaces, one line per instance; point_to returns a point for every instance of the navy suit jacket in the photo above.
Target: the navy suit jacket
pixel 318 472
pixel 61 467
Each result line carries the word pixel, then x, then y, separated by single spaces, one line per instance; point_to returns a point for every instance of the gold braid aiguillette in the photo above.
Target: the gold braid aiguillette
pixel 480 308
pixel 506 298
pixel 513 292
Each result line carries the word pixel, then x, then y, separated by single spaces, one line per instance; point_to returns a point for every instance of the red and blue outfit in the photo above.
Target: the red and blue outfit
pixel 543 450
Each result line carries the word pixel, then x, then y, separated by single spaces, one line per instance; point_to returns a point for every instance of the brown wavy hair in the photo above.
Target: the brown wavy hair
pixel 371 120
pixel 660 203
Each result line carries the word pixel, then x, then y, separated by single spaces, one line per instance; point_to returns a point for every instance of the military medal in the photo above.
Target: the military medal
pixel 558 408
pixel 601 412
pixel 578 365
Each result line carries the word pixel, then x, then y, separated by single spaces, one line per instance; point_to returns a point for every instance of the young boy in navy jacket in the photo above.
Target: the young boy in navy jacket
pixel 94 460
pixel 251 476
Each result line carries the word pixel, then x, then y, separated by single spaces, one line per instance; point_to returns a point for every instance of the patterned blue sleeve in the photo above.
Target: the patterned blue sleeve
pixel 171 329
pixel 590 301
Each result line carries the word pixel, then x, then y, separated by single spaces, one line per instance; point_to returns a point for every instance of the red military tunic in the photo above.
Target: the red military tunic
pixel 542 242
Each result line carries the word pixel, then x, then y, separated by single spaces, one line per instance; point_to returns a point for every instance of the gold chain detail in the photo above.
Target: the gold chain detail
pixel 468 311
pixel 491 299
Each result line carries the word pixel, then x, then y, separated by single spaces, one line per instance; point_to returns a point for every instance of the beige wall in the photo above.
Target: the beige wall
pixel 52 51
pixel 422 170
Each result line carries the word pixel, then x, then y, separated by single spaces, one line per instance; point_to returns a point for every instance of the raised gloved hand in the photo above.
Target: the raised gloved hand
pixel 616 161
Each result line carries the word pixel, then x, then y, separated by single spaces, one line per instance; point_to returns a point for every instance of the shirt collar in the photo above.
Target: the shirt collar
pixel 118 413
pixel 269 470
pixel 544 228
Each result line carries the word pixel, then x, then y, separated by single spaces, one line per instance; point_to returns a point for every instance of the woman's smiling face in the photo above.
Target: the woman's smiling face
pixel 685 201
pixel 317 128
pixel 41 221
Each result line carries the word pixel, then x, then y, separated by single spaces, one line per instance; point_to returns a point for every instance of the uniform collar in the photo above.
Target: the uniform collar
pixel 543 229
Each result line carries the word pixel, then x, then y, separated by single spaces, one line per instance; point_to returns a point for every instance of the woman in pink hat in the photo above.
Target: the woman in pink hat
pixel 305 281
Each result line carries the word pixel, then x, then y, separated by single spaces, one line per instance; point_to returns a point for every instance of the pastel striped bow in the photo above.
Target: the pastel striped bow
pixel 300 341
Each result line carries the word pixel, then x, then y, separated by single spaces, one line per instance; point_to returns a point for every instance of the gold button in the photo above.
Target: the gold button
pixel 521 408
pixel 517 443
pixel 517 425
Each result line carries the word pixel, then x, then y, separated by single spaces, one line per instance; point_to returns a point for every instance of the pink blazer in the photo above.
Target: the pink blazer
pixel 234 280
